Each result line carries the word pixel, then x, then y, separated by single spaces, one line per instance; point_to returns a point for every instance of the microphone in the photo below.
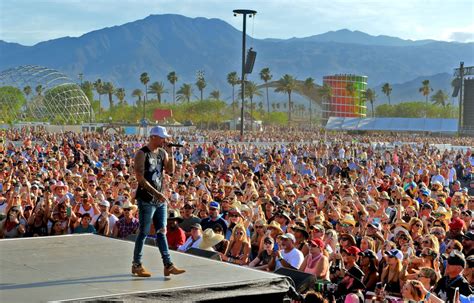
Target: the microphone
pixel 175 145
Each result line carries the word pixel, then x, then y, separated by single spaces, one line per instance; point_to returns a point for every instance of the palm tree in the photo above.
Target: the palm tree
pixel 308 86
pixel 215 94
pixel 325 92
pixel 109 89
pixel 173 78
pixel 440 98
pixel 266 76
pixel 251 90
pixel 185 92
pixel 27 91
pixel 120 94
pixel 286 85
pixel 144 79
pixel 39 89
pixel 99 88
pixel 260 107
pixel 233 80
pixel 201 84
pixel 425 90
pixel 387 90
pixel 158 88
pixel 137 93
pixel 370 96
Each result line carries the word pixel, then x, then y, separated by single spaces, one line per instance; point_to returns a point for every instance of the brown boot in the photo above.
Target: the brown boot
pixel 171 269
pixel 140 271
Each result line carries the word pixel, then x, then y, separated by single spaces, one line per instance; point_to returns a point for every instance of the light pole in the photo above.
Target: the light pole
pixel 244 13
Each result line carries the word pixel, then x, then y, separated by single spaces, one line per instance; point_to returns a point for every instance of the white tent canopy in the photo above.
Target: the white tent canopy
pixel 393 124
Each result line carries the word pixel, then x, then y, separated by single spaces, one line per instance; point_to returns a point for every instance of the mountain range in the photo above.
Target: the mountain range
pixel 159 44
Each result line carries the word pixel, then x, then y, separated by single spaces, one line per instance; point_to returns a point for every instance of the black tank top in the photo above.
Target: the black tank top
pixel 154 164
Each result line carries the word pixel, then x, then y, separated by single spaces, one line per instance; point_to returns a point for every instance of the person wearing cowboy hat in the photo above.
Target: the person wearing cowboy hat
pixel 174 234
pixel 151 162
pixel 210 239
pixel 351 286
pixel 274 228
pixel 301 236
pixel 283 218
pixel 128 224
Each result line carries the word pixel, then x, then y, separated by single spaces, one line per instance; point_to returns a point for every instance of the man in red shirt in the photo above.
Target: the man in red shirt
pixel 175 234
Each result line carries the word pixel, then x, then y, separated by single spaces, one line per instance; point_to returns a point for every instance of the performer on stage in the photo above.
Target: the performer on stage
pixel 150 162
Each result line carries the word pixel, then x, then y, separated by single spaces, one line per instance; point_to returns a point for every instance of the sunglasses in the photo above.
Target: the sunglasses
pixel 239 233
pixel 418 225
pixel 268 242
pixel 126 209
pixel 258 226
pixel 233 215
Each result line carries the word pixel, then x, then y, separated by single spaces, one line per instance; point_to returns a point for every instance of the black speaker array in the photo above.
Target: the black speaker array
pixel 468 104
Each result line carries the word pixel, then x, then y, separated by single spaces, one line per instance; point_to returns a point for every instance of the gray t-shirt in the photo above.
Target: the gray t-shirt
pixel 187 223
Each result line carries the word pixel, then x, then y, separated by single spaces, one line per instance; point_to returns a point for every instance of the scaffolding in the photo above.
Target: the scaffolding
pixel 55 97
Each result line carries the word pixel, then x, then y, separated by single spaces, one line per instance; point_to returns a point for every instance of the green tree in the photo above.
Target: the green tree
pixel 266 76
pixel 185 92
pixel 120 94
pixel 251 90
pixel 144 79
pixel 109 89
pixel 440 98
pixel 325 92
pixel 12 100
pixel 387 90
pixel 370 96
pixel 157 88
pixel 425 90
pixel 99 88
pixel 173 78
pixel 27 90
pixel 287 84
pixel 215 94
pixel 137 93
pixel 308 86
pixel 201 84
pixel 88 89
pixel 233 80
pixel 39 90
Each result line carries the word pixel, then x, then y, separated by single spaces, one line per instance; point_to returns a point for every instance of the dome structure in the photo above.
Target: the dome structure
pixel 43 94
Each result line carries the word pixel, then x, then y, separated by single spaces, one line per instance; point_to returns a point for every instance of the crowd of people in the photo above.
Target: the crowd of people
pixel 368 216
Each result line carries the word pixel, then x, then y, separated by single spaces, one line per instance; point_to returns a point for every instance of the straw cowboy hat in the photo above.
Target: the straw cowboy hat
pixel 133 207
pixel 275 225
pixel 210 239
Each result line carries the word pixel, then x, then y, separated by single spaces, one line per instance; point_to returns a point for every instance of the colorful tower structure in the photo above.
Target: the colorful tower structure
pixel 347 96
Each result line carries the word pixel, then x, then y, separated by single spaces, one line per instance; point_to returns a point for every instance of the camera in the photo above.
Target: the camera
pixel 325 287
pixel 336 266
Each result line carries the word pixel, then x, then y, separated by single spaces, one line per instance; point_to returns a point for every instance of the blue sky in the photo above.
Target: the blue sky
pixel 31 21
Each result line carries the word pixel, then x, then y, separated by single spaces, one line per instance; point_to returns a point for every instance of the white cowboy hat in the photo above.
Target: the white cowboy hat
pixel 59 184
pixel 209 239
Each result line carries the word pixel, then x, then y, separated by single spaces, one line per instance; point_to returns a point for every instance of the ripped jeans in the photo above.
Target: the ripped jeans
pixel 146 213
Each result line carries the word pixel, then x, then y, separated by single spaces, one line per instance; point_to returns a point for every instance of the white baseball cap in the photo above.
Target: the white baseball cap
pixel 104 203
pixel 289 236
pixel 159 131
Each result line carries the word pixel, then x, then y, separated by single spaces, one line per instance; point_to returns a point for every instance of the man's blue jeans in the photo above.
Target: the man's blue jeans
pixel 146 213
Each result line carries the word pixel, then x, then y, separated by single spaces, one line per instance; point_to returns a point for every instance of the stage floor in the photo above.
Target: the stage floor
pixel 90 268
